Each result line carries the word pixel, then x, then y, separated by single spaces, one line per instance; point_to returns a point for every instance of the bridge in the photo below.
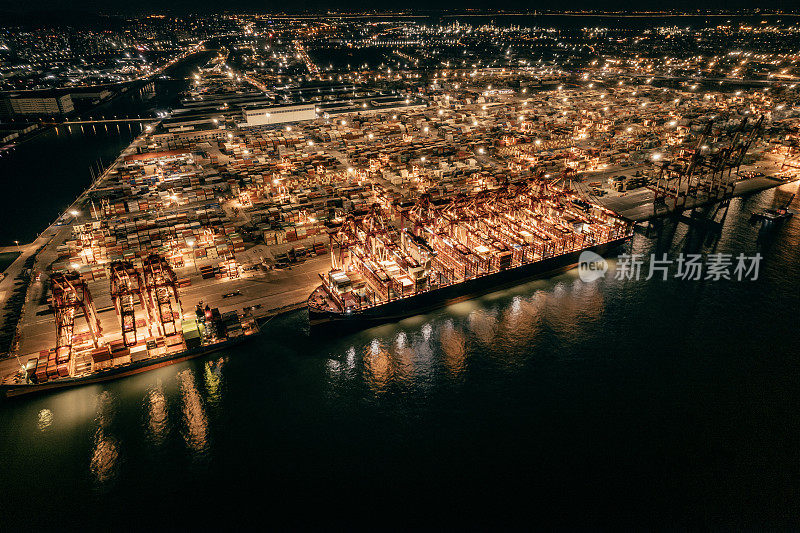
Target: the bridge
pixel 104 121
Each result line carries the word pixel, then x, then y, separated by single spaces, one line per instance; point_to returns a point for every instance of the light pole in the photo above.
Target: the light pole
pixel 18 249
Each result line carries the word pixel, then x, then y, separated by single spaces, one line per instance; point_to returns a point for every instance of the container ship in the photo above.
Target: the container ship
pixel 398 261
pixel 155 332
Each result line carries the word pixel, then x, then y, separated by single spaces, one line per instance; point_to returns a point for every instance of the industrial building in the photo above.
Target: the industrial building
pixel 35 104
pixel 265 116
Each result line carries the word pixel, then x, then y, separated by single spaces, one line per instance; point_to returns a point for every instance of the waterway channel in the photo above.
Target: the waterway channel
pixel 668 403
pixel 650 402
pixel 42 176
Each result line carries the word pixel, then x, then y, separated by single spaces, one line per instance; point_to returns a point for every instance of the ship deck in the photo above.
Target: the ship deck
pixel 85 368
pixel 326 300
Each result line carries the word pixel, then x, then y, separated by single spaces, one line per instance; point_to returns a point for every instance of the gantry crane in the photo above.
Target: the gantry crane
pixel 126 289
pixel 675 177
pixel 70 294
pixel 160 283
pixel 701 169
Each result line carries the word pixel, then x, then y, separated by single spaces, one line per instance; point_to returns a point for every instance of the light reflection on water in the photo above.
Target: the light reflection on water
pixel 104 463
pixel 415 355
pixel 195 422
pixel 453 349
pixel 406 362
pixel 105 457
pixel 157 415
pixel 378 366
pixel 483 325
pixel 467 357
pixel 213 372
pixel 45 419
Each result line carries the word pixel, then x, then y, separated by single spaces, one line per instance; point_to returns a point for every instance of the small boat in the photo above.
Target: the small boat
pixel 775 213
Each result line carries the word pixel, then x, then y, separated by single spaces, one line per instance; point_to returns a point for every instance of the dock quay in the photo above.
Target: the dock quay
pixel 639 206
pixel 226 213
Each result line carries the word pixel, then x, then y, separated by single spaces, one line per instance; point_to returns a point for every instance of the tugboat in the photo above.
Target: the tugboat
pixel 775 214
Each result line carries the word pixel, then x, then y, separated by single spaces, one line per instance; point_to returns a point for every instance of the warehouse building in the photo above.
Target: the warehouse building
pixel 35 104
pixel 278 115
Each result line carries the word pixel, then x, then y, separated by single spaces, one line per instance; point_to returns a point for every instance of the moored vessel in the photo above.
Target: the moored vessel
pixel 396 262
pixel 208 332
pixel 775 214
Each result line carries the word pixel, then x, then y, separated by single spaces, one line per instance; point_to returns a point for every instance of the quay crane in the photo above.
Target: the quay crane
pixel 161 285
pixel 703 170
pixel 126 289
pixel 70 294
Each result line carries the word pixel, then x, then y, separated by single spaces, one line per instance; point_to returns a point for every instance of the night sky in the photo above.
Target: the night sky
pixel 126 7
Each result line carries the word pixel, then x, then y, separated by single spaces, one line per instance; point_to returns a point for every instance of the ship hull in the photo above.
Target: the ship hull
pixel 24 389
pixel 430 300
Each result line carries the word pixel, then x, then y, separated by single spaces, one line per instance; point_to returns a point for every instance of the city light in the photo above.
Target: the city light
pixel 308 172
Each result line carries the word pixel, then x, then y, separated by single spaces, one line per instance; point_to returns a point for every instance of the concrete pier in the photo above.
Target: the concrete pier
pixel 638 205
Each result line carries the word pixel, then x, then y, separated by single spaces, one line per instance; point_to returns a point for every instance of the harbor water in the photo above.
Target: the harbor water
pixel 665 403
pixel 649 402
pixel 45 174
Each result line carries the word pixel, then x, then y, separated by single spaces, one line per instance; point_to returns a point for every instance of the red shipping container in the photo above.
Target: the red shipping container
pixel 41 371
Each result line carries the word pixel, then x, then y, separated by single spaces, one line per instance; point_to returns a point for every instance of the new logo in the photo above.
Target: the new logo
pixel 591 266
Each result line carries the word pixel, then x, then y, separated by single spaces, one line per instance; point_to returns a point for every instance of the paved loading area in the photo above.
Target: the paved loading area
pixel 269 292
pixel 638 205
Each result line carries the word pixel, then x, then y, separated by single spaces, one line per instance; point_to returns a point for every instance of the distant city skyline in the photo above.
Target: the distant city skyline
pixel 116 7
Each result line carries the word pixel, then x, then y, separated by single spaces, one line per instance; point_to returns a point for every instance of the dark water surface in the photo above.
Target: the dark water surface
pixel 659 403
pixel 44 175
pixel 663 403
pixel 6 258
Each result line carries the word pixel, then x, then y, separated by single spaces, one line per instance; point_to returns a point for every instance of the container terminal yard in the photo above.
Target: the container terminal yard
pixel 251 196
